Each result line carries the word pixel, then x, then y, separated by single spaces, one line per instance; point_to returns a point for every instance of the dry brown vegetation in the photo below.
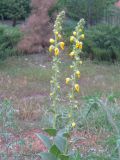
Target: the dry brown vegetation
pixel 37 28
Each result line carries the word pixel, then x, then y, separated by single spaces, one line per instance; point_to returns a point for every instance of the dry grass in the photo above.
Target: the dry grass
pixel 25 80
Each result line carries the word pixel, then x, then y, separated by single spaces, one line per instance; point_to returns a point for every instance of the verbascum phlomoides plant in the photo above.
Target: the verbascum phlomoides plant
pixel 58 142
pixel 77 41
pixel 56 47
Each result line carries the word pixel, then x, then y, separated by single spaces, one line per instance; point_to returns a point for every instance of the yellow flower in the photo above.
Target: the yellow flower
pixel 51 48
pixel 71 96
pixel 62 45
pixel 78 74
pixel 58 87
pixel 67 80
pixel 72 38
pixel 74 33
pixel 56 33
pixel 77 87
pixel 82 36
pixel 81 62
pixel 80 30
pixel 51 94
pixel 72 54
pixel 57 52
pixel 79 45
pixel 73 124
pixel 52 41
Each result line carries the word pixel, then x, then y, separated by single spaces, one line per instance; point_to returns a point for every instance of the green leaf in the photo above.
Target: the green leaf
pixel 51 131
pixel 47 142
pixel 64 133
pixel 47 156
pixel 61 143
pixel 67 135
pixel 55 151
pixel 64 157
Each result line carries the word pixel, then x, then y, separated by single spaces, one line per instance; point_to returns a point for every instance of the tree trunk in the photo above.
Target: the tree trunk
pixel 2 18
pixel 14 22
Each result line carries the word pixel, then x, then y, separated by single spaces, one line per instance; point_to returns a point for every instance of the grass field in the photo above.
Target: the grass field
pixel 25 81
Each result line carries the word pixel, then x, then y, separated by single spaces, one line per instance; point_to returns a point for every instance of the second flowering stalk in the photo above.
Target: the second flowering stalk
pixel 77 40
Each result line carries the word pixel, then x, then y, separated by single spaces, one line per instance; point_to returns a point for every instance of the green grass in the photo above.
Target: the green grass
pixel 32 75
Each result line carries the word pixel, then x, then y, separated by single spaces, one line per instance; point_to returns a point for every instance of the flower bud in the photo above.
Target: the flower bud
pixel 72 38
pixel 78 74
pixel 52 41
pixel 73 124
pixel 67 80
pixel 82 36
pixel 51 48
pixel 72 54
pixel 56 33
pixel 74 33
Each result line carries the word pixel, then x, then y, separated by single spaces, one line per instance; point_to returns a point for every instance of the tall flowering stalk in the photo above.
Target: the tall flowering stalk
pixel 76 39
pixel 56 45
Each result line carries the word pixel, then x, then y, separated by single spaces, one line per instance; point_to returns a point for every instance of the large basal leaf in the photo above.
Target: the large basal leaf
pixel 55 151
pixel 64 133
pixel 47 142
pixel 64 157
pixel 51 131
pixel 61 143
pixel 47 156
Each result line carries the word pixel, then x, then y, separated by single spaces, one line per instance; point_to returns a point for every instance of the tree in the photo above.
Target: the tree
pixel 14 9
pixel 91 10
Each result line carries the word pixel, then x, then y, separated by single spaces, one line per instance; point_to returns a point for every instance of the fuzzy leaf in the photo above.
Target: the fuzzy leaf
pixel 47 156
pixel 55 151
pixel 64 157
pixel 47 142
pixel 51 131
pixel 61 143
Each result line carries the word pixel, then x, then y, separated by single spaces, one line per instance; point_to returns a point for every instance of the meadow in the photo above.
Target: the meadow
pixel 25 84
pixel 59 80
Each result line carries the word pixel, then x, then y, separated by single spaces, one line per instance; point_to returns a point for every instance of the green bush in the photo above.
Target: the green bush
pixel 14 9
pixel 103 43
pixel 9 37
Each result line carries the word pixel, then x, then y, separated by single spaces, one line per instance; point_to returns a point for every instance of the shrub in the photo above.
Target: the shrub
pixel 14 9
pixel 102 43
pixel 9 37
